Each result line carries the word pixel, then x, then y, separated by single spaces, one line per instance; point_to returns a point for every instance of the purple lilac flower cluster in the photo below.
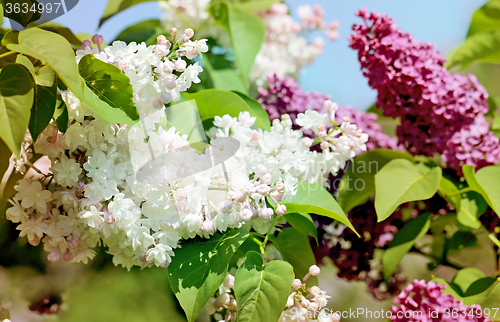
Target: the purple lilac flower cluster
pixel 284 96
pixel 421 301
pixel 440 112
pixel 353 255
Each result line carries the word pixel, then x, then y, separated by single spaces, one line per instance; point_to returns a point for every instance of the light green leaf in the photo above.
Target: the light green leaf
pixel 109 84
pixel 485 182
pixel 56 51
pixel 254 5
pixel 61 117
pixel 303 223
pixel 467 215
pixel 227 79
pixel 262 290
pixel 451 288
pixel 16 99
pixel 247 34
pixel 213 102
pixel 358 182
pixel 45 76
pixel 466 276
pixel 313 198
pixel 116 6
pixel 403 242
pixel 480 47
pixel 257 109
pixel 200 267
pixel 400 181
pixel 486 18
pixel 295 248
pixel 43 109
pixel 447 190
pixel 26 62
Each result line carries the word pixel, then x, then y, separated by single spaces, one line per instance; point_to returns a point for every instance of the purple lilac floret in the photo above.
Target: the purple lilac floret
pixel 433 104
pixel 285 96
pixel 421 301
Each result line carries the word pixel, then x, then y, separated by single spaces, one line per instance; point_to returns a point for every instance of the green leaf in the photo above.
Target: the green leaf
pixel 227 79
pixel 254 5
pixel 403 242
pixel 462 239
pixel 479 286
pixel 486 18
pixel 400 181
pixel 303 223
pixel 116 6
pixel 313 198
pixel 295 248
pixel 61 117
pixel 257 109
pixel 485 182
pixel 109 84
pixel 248 245
pixel 43 109
pixel 480 47
pixel 466 276
pixel 247 34
pixel 489 299
pixel 16 99
pixel 467 215
pixel 200 267
pixel 26 62
pixel 213 102
pixel 45 76
pixel 262 290
pixel 56 51
pixel 358 182
pixel 447 190
pixel 144 31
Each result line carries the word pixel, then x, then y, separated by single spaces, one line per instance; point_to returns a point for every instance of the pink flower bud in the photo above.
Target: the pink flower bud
pixel 266 179
pixel 307 142
pixel 281 210
pixel 189 33
pixel 68 257
pixel 180 65
pixel 296 284
pixel 169 81
pixel 314 270
pixel 161 50
pixel 86 43
pixel 173 31
pixel 161 40
pixel 98 40
pixel 324 145
pixel 54 256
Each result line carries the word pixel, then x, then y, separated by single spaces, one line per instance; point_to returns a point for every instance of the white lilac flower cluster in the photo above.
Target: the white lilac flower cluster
pixel 286 49
pixel 133 188
pixel 303 305
pixel 153 70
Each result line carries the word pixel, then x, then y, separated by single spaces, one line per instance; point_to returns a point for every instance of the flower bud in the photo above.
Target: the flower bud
pixel 296 284
pixel 189 33
pixel 161 40
pixel 180 65
pixel 54 256
pixel 281 210
pixel 307 142
pixel 314 270
pixel 229 281
pixel 173 31
pixel 98 40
